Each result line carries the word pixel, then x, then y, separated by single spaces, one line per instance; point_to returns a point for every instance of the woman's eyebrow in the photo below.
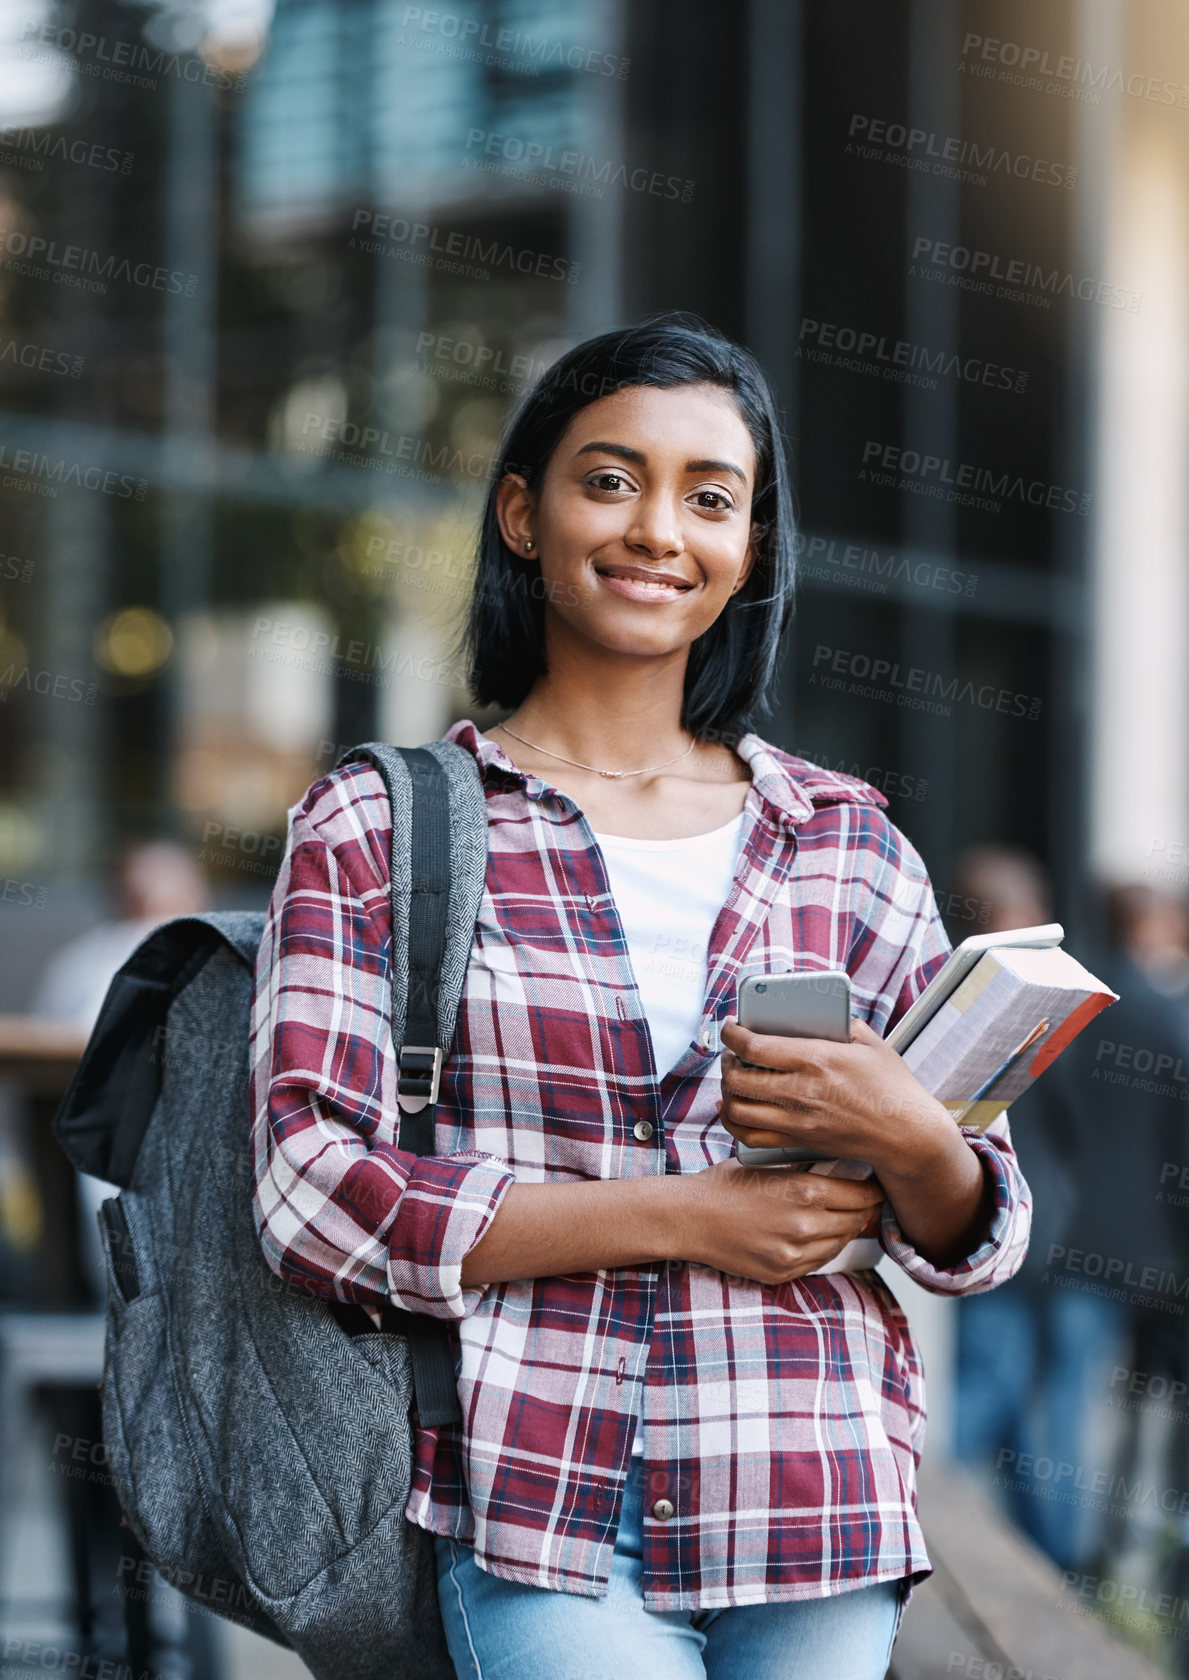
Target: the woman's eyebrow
pixel 620 449
pixel 626 453
pixel 716 466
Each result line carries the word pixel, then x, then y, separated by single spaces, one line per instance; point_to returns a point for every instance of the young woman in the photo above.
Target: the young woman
pixel 688 1446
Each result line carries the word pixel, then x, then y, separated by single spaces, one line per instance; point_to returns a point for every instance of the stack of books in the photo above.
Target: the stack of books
pixel 999 1013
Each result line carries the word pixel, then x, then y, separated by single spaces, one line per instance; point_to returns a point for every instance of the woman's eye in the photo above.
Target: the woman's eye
pixel 609 480
pixel 715 501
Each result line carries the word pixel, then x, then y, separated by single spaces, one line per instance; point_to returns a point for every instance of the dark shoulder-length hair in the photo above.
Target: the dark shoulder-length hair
pixel 730 675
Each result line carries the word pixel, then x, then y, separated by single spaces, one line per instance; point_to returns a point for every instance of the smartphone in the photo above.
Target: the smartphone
pixel 812 1005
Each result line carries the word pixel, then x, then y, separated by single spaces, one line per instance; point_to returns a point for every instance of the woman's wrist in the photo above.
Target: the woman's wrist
pixel 672 1214
pixel 924 1138
pixel 940 1197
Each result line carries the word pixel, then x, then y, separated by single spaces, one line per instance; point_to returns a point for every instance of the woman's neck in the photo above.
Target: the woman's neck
pixel 621 719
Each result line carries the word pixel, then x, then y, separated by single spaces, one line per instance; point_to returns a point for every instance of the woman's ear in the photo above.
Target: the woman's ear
pixel 515 507
pixel 749 559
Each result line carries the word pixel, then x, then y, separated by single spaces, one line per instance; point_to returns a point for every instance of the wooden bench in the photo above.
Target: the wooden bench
pixel 989 1611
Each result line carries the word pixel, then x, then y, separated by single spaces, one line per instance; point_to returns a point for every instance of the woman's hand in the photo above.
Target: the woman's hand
pixel 856 1100
pixel 771 1224
pixel 859 1101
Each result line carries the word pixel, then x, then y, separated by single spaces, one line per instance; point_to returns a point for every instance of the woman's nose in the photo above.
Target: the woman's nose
pixel 655 529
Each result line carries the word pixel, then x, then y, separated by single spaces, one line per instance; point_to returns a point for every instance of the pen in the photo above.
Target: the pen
pixel 1007 1064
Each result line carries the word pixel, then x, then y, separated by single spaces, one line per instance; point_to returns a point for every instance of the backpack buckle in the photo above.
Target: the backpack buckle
pixel 420 1071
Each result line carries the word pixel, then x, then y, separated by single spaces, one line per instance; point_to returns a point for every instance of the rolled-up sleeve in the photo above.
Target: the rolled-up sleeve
pixel 1004 1242
pixel 341 1210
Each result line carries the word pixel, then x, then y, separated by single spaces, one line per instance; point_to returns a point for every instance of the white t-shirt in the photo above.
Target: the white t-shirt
pixel 668 894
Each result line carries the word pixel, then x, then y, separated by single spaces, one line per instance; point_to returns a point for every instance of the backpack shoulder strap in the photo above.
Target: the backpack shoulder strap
pixel 438 865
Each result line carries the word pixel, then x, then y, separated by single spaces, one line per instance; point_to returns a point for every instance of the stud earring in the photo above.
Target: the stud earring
pixel 528 545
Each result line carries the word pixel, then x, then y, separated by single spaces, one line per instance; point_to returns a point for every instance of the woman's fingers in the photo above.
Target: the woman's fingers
pixel 816 1190
pixel 765 1050
pixel 760 1126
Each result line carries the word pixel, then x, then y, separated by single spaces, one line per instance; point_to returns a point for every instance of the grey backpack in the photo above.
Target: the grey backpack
pixel 260 1439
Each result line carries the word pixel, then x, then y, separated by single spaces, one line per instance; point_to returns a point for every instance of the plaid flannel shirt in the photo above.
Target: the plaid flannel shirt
pixel 782 1424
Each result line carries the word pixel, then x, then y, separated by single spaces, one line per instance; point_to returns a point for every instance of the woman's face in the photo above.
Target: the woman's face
pixel 642 520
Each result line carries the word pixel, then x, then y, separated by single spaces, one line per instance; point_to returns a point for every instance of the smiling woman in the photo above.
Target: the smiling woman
pixel 689 1439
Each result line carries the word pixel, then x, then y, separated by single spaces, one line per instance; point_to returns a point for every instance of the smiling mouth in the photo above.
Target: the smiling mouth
pixel 638 584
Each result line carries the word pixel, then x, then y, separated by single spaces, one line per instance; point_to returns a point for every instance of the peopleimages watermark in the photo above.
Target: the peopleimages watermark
pixel 1113 1277
pixel 829 559
pixel 1173 1170
pixel 1139 1068
pixel 1174 868
pixel 1060 1479
pixel 988 1668
pixel 409 565
pixel 39 358
pixel 82 1458
pixel 327 653
pixel 29 893
pixel 230 846
pixel 893 783
pixel 478 41
pixel 132 63
pixel 233 1599
pixel 925 151
pixel 1150 1392
pixel 40 475
pixel 37 1655
pixel 29 148
pixel 1073 78
pixel 913 686
pixel 474 363
pixel 963 482
pixel 54 684
pixel 566 168
pixel 1123 1604
pixel 478 363
pixel 40 258
pixel 451 250
pixel 1016 279
pixel 858 350
pixel 379 451
pixel 14 569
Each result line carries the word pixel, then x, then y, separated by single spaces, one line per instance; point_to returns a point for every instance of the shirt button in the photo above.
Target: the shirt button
pixel 662 1510
pixel 705 1037
pixel 643 1130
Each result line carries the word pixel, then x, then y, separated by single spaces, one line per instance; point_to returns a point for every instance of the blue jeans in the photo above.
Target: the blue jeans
pixel 501 1630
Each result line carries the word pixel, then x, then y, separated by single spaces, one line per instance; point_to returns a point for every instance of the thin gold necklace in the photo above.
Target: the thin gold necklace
pixel 612 775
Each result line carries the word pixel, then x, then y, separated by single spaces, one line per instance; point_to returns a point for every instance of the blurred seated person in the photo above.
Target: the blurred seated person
pixel 154 881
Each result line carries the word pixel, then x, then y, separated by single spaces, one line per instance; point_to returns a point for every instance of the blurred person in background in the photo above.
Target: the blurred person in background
pixel 153 881
pixel 1024 1349
pixel 1135 1071
pixel 1040 1359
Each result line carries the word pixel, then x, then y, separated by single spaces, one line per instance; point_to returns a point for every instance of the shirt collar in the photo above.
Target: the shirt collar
pixel 794 786
pixel 791 787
